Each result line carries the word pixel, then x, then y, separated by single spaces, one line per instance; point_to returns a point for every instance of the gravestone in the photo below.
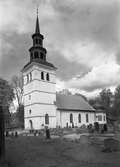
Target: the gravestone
pixel 84 139
pixel 16 134
pixel 47 133
pixel 96 125
pixel 111 144
pixel 105 127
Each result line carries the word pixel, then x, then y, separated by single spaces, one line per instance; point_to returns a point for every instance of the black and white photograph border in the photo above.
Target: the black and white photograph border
pixel 59 83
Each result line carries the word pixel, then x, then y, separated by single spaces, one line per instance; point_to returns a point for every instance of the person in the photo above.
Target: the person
pixel 16 134
pixel 105 127
pixel 47 133
pixel 96 125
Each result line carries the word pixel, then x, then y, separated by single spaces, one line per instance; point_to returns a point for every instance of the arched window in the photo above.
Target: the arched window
pixel 42 75
pixel 27 78
pixel 79 118
pixel 46 119
pixel 47 77
pixel 71 118
pixel 30 111
pixel 36 41
pixel 39 41
pixel 41 55
pixel 31 124
pixel 30 76
pixel 36 55
pixel 87 118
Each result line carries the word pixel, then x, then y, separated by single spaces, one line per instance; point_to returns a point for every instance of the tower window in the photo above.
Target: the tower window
pixel 47 77
pixel 27 78
pixel 79 118
pixel 31 124
pixel 87 118
pixel 42 75
pixel 39 41
pixel 30 76
pixel 46 119
pixel 36 55
pixel 71 118
pixel 36 41
pixel 30 111
pixel 41 55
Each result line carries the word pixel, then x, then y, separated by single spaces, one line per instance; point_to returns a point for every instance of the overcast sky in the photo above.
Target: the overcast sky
pixel 82 38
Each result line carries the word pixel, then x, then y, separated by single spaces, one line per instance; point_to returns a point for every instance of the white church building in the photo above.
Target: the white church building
pixel 42 106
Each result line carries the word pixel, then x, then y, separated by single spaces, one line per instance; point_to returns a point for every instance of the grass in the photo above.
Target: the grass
pixel 39 152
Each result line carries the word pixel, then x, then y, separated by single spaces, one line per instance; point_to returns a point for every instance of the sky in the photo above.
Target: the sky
pixel 82 38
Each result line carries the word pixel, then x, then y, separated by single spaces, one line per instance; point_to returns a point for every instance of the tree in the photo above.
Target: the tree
pixel 6 93
pixel 103 101
pixel 116 103
pixel 95 103
pixel 6 97
pixel 65 92
pixel 106 100
pixel 20 115
pixel 17 83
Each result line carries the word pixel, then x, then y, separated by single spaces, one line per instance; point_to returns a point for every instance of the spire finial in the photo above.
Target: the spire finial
pixel 37 9
pixel 37 30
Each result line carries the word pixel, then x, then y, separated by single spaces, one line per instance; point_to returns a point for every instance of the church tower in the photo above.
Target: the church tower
pixel 39 78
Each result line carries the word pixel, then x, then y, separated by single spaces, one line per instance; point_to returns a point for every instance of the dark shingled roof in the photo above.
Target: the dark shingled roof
pixel 72 102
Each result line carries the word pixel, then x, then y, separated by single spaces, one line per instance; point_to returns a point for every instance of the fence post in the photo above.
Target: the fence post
pixel 2 136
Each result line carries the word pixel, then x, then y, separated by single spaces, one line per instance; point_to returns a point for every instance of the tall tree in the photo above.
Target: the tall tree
pixel 95 103
pixel 6 97
pixel 106 100
pixel 6 93
pixel 103 101
pixel 17 83
pixel 20 116
pixel 116 102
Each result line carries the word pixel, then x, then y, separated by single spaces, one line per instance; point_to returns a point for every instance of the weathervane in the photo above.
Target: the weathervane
pixel 37 8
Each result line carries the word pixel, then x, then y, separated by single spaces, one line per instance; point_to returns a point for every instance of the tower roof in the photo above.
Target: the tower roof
pixel 37 29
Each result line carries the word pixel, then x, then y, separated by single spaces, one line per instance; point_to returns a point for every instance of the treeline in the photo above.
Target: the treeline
pixel 109 102
pixel 10 91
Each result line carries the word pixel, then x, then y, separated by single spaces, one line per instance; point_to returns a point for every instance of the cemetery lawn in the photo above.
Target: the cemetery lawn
pixel 38 152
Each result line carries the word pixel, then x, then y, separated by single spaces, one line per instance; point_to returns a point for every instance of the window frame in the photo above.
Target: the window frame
pixel 47 77
pixel 87 118
pixel 79 118
pixel 46 119
pixel 42 75
pixel 71 118
pixel 30 111
pixel 99 118
pixel 36 55
pixel 30 76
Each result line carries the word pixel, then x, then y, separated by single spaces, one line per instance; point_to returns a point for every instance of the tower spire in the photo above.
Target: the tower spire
pixel 37 29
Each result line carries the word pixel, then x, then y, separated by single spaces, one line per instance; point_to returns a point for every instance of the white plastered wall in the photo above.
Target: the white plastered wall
pixel 39 97
pixel 63 117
